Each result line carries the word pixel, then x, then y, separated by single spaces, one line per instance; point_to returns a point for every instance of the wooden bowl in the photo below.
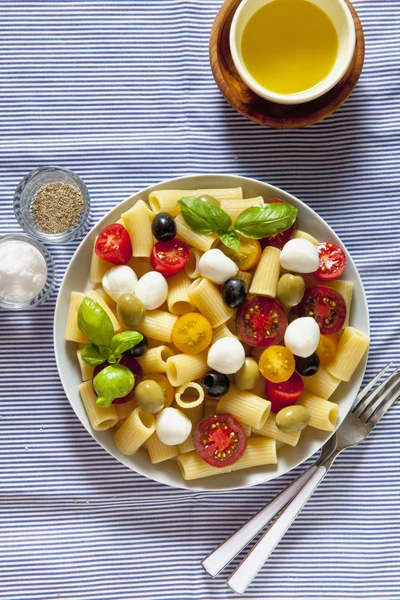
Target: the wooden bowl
pixel 271 114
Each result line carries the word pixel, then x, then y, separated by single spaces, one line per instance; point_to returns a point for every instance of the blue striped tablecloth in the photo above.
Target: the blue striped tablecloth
pixel 122 93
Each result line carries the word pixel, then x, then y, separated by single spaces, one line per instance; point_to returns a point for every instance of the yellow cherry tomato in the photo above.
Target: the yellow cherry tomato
pixel 277 364
pixel 191 333
pixel 327 348
pixel 248 254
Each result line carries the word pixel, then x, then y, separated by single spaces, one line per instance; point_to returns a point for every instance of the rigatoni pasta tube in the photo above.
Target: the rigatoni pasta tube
pixel 125 409
pixel 141 266
pixel 107 299
pixel 100 300
pixel 323 413
pixel 222 331
pixel 267 273
pixel 182 368
pixel 234 207
pixel 245 406
pixel 86 370
pixel 322 384
pixel 134 431
pixel 269 429
pixel 205 296
pixel 189 395
pixel 345 288
pixel 245 276
pixel 195 415
pixel 303 235
pixel 155 359
pixel 72 332
pixel 192 267
pixel 98 267
pixel 158 325
pixel 259 451
pixel 178 299
pixel 187 235
pixel 166 200
pixel 158 451
pixel 193 467
pixel 352 346
pixel 210 407
pixel 137 222
pixel 100 418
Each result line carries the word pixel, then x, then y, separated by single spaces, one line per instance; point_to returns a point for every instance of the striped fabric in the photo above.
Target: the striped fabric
pixel 121 92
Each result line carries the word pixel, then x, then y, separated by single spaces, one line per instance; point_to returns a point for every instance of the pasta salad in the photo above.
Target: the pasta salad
pixel 215 330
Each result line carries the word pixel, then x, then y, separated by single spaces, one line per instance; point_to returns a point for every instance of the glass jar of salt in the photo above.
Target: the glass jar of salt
pixel 26 272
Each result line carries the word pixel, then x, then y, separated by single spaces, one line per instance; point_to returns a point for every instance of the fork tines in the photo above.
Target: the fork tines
pixel 372 406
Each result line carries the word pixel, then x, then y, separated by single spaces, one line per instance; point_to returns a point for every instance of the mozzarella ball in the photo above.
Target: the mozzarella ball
pixel 216 266
pixel 302 336
pixel 119 280
pixel 226 356
pixel 300 256
pixel 173 426
pixel 152 290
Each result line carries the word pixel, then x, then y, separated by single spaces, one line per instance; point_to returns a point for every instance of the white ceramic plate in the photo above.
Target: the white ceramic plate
pixel 76 278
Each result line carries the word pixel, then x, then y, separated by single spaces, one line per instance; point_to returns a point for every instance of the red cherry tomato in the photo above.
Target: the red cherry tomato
pixel 220 440
pixel 279 239
pixel 285 393
pixel 133 365
pixel 332 262
pixel 168 258
pixel 261 322
pixel 326 306
pixel 114 245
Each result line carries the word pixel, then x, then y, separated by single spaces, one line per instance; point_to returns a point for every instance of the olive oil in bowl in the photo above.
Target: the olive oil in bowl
pixel 289 46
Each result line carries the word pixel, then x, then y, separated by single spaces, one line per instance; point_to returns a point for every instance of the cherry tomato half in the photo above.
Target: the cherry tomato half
pixel 327 348
pixel 279 239
pixel 248 254
pixel 326 306
pixel 332 262
pixel 133 365
pixel 114 245
pixel 168 258
pixel 220 440
pixel 261 322
pixel 285 393
pixel 192 333
pixel 277 364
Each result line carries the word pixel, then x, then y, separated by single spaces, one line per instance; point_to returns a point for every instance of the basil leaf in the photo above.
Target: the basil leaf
pixel 262 221
pixel 230 238
pixel 125 341
pixel 115 381
pixel 95 323
pixel 203 217
pixel 92 356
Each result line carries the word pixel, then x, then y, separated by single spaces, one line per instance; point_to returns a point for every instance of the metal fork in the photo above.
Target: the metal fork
pixel 370 406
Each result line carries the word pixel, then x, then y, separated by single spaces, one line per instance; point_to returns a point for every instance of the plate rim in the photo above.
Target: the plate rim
pixel 192 486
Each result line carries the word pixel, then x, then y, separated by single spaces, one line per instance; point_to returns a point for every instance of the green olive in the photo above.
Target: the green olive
pixel 290 290
pixel 150 396
pixel 292 418
pixel 209 199
pixel 246 378
pixel 130 310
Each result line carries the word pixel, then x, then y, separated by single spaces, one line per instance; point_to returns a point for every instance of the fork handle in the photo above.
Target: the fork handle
pixel 252 563
pixel 222 556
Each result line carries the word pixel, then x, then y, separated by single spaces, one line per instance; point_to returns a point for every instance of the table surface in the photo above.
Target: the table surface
pixel 122 93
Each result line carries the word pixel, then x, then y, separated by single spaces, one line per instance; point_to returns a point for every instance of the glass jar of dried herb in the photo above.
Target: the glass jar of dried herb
pixel 52 204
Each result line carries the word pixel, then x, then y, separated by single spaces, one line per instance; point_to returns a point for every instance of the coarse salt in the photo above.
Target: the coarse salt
pixel 23 271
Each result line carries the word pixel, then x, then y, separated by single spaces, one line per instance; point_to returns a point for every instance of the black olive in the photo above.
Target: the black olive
pixel 139 349
pixel 215 384
pixel 307 366
pixel 234 292
pixel 163 227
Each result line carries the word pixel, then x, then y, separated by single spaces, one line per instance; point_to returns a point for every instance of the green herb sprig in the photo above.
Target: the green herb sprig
pixel 256 222
pixel 115 380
